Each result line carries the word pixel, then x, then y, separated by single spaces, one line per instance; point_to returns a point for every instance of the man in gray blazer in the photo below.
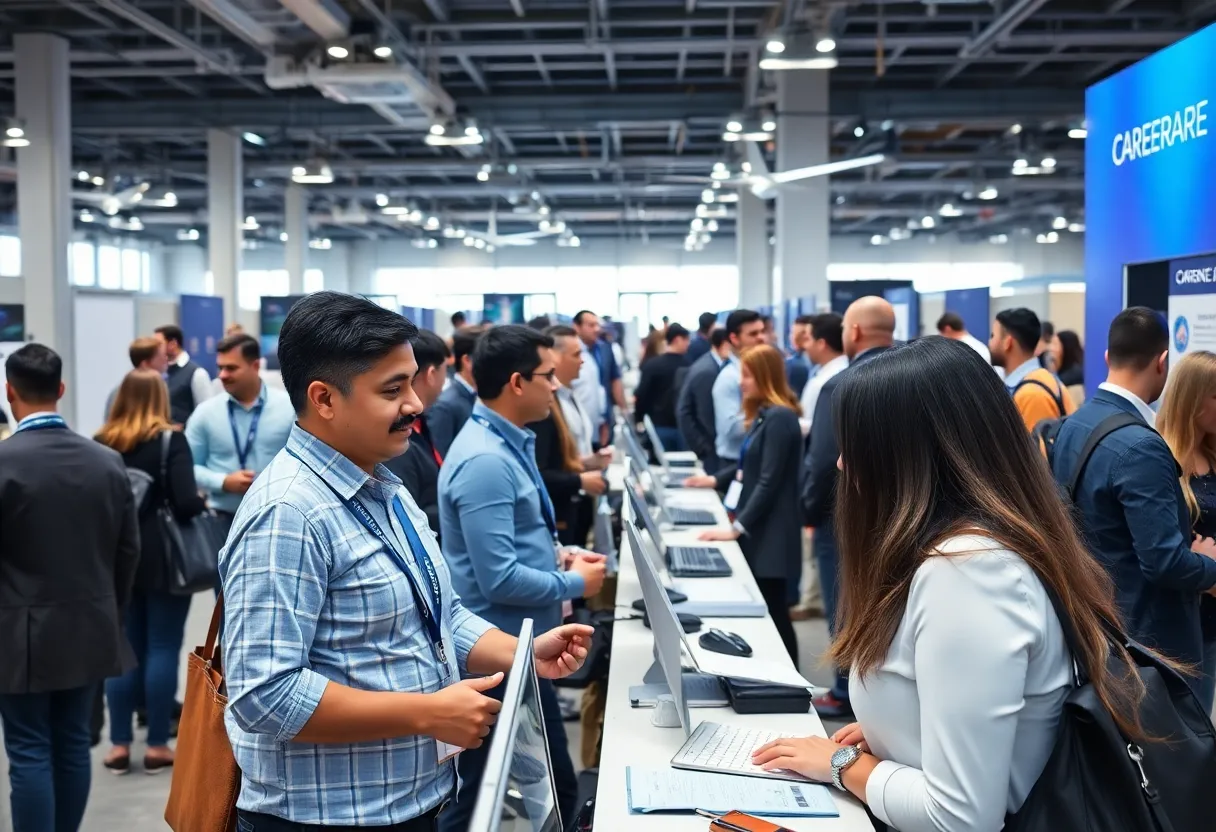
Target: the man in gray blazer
pixel 695 405
pixel 69 544
pixel 455 404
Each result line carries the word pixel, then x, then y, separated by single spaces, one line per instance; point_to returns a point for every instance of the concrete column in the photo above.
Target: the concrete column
pixel 295 250
pixel 803 210
pixel 225 215
pixel 44 197
pixel 752 251
pixel 362 264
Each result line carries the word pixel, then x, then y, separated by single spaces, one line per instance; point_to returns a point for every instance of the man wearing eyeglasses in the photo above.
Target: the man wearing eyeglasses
pixel 500 528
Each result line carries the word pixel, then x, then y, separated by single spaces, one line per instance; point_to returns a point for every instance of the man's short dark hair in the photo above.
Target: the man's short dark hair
pixel 740 318
pixel 828 327
pixel 1048 331
pixel 718 337
pixel 951 321
pixel 458 320
pixel 560 331
pixel 1023 324
pixel 429 350
pixel 35 371
pixel 540 323
pixel 464 341
pixel 332 337
pixel 804 320
pixel 675 331
pixel 247 344
pixel 501 353
pixel 706 322
pixel 578 319
pixel 171 332
pixel 1138 336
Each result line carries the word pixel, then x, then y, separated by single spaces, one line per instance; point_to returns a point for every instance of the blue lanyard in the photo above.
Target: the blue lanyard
pixel 243 451
pixel 747 441
pixel 431 619
pixel 546 505
pixel 42 423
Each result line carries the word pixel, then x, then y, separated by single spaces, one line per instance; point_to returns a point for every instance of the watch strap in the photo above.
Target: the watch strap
pixel 838 769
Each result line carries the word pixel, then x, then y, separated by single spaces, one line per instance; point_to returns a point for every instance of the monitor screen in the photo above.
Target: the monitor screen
pixel 655 442
pixel 517 792
pixel 642 516
pixel 634 448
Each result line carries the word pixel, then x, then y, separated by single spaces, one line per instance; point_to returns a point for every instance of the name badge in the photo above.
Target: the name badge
pixel 731 500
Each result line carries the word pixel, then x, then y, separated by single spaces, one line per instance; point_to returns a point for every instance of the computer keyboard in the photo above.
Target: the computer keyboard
pixel 697 560
pixel 725 748
pixel 691 517
pixel 682 463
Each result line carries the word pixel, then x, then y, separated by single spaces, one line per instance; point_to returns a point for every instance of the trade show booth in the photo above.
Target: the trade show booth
pixel 1150 173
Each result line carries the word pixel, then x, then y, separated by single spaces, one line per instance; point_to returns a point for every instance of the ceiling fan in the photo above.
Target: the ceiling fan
pixel 111 202
pixel 766 185
pixel 548 228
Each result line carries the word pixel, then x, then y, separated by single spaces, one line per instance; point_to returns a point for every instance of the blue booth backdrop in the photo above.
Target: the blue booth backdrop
pixel 1150 174
pixel 201 318
pixel 974 306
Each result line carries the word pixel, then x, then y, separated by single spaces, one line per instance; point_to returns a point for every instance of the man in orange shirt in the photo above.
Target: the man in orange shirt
pixel 1037 393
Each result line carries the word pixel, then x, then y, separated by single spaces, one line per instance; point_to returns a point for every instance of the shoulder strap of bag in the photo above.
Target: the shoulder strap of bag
pixel 166 437
pixel 1104 429
pixel 210 649
pixel 1057 396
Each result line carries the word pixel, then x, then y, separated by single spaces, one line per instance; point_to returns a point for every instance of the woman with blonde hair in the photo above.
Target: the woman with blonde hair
pixel 762 490
pixel 1188 422
pixel 139 428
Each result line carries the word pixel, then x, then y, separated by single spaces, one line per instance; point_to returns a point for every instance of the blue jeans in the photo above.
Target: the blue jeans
pixel 46 736
pixel 156 623
pixel 824 546
pixel 672 439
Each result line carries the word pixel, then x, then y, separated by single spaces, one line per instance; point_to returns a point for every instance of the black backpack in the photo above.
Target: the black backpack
pixel 1098 780
pixel 1046 433
pixel 1057 395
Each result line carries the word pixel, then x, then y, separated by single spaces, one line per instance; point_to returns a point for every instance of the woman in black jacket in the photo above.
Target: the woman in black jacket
pixel 155 620
pixel 762 491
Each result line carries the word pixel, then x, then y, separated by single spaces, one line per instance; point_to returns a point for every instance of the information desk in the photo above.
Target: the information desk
pixel 629 737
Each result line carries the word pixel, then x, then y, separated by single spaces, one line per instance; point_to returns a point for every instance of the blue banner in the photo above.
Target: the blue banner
pixel 974 306
pixel 1193 276
pixel 202 321
pixel 273 313
pixel 906 303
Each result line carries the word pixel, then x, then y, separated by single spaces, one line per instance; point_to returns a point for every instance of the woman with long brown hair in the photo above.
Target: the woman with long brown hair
pixel 762 490
pixel 951 535
pixel 156 619
pixel 1187 421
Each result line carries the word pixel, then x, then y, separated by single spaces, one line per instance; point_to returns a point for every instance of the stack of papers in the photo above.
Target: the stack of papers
pixel 672 790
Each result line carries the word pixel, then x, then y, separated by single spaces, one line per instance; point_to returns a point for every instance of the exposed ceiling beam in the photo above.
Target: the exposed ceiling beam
pixel 1013 15
pixel 438 8
pixel 610 67
pixel 473 72
pixel 544 71
pixel 518 7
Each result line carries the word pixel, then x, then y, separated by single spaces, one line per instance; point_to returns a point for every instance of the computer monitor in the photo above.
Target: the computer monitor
pixel 664 623
pixel 642 516
pixel 633 448
pixel 660 452
pixel 602 531
pixel 517 792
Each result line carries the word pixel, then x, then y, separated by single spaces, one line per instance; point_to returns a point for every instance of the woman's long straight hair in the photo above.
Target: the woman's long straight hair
pixel 1192 382
pixel 767 367
pixel 140 411
pixel 932 447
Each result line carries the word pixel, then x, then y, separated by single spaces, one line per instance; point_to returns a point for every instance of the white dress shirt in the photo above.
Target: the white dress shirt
pixel 977 345
pixel 810 393
pixel 577 419
pixel 588 390
pixel 963 711
pixel 200 382
pixel 1142 407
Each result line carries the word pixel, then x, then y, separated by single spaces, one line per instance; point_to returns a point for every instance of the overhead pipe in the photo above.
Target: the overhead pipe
pixel 1008 20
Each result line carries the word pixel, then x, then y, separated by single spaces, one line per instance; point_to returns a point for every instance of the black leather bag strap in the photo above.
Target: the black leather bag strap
pixel 1104 429
pixel 166 437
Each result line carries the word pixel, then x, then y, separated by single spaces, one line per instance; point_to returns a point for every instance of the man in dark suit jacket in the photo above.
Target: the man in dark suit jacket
pixel 657 389
pixel 798 366
pixel 455 404
pixel 869 329
pixel 1133 513
pixel 418 467
pixel 701 342
pixel 69 545
pixel 695 406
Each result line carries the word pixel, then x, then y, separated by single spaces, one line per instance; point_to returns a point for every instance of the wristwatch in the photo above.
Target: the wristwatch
pixel 841 760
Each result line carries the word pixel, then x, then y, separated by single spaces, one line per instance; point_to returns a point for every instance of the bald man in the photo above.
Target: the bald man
pixel 869 329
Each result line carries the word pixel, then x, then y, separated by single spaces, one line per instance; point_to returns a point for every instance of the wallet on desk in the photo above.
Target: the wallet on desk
pixel 764 698
pixel 739 822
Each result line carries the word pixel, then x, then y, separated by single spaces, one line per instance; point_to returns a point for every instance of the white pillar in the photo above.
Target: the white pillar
pixel 295 251
pixel 362 265
pixel 44 197
pixel 803 211
pixel 225 215
pixel 752 251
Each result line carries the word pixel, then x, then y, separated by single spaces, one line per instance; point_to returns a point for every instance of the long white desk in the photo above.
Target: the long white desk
pixel 631 739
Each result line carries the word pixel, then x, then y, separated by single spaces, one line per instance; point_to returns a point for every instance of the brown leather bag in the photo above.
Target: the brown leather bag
pixel 206 780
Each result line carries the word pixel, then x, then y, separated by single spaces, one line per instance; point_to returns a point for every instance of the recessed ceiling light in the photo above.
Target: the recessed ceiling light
pixel 437 129
pixel 769 126
pixel 1048 162
pixel 1078 133
pixel 776 46
pixel 825 45
pixel 83 176
pixel 928 222
pixel 1015 129
pixel 1059 223
pixel 989 193
pixel 254 138
pixel 338 52
pixel 734 126
pixel 384 52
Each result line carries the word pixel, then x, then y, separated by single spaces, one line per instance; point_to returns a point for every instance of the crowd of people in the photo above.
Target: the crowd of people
pixel 396 510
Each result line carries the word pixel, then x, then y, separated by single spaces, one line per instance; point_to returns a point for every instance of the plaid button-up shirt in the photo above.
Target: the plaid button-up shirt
pixel 312 596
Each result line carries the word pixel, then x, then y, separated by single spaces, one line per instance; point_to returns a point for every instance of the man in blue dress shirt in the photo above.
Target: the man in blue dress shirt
pixel 744 328
pixel 500 528
pixel 346 649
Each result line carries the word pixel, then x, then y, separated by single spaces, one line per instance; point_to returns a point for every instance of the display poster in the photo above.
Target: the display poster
pixel 791 315
pixel 411 314
pixel 202 323
pixel 273 312
pixel 907 313
pixel 503 309
pixel 12 322
pixel 974 307
pixel 1192 312
pixel 807 305
pixel 7 348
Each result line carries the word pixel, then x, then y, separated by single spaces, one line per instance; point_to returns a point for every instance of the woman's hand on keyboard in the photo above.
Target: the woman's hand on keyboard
pixel 809 756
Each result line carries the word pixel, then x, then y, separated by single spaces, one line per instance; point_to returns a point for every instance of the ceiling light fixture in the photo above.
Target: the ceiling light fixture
pixel 82 176
pixel 14 134
pixel 99 181
pixel 775 45
pixel 383 52
pixel 86 216
pixel 1015 129
pixel 382 200
pixel 860 130
pixel 250 223
pixel 950 210
pixel 989 193
pixel 454 135
pixel 803 52
pixel 999 239
pixel 1078 133
pixel 187 235
pixel 1077 227
pixel 337 51
pixel 313 172
pixel 928 222
pixel 734 126
pixel 707 195
pixel 1048 162
pixel 879 240
pixel 254 139
pixel 283 236
pixel 769 125
pixel 322 244
pixel 825 44
pixel 431 224
pixel 437 129
pixel 1059 223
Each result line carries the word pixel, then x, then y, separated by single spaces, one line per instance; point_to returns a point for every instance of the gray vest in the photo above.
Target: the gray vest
pixel 181 397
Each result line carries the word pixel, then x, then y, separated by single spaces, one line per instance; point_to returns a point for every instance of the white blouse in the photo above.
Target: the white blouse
pixel 963 712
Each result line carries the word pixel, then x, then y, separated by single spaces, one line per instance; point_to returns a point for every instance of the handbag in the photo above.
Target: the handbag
pixel 1098 780
pixel 206 780
pixel 191 547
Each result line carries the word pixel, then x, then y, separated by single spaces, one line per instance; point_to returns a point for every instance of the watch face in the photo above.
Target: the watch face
pixel 843 756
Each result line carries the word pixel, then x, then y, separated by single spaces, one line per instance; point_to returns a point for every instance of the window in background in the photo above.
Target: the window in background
pixel 132 270
pixel 109 267
pixel 145 271
pixel 84 264
pixel 255 284
pixel 314 280
pixel 930 277
pixel 588 287
pixel 458 303
pixel 537 305
pixel 208 283
pixel 705 289
pixel 10 257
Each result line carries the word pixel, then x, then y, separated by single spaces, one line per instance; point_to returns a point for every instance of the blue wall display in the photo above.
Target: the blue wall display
pixel 844 292
pixel 273 314
pixel 503 309
pixel 1150 172
pixel 12 322
pixel 807 305
pixel 906 302
pixel 974 306
pixel 202 322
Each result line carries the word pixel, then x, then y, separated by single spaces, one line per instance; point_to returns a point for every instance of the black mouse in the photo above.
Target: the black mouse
pixel 673 596
pixel 689 622
pixel 720 641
